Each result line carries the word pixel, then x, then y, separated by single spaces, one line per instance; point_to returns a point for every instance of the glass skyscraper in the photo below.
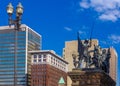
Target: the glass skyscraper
pixel 27 40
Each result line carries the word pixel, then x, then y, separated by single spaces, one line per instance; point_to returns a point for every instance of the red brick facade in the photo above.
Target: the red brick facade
pixel 46 75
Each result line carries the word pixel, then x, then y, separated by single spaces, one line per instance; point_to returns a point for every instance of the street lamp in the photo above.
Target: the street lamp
pixel 19 12
pixel 16 23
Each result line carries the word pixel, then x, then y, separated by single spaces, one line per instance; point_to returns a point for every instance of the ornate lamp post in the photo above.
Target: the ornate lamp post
pixel 19 12
pixel 16 23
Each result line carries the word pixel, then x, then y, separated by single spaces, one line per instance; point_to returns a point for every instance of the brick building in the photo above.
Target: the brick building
pixel 47 68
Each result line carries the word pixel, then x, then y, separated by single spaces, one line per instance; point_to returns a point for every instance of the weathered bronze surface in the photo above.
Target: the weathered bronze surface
pixel 85 59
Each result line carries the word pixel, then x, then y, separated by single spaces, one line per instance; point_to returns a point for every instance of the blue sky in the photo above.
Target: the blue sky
pixel 59 20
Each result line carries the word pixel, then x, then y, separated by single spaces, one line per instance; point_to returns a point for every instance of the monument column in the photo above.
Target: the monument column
pixel 91 66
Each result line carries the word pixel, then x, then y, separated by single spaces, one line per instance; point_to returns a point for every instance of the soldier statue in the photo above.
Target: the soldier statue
pixel 96 56
pixel 75 62
pixel 84 59
pixel 84 54
pixel 105 60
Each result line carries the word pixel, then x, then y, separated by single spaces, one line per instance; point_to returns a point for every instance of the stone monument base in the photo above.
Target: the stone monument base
pixel 90 77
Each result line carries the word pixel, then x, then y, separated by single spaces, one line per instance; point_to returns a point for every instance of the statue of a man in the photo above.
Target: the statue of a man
pixel 105 60
pixel 86 53
pixel 75 62
pixel 96 56
pixel 83 53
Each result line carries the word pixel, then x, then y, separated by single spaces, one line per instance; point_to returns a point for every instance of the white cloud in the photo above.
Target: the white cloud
pixel 81 32
pixel 67 28
pixel 110 17
pixel 108 9
pixel 103 42
pixel 84 4
pixel 84 27
pixel 115 39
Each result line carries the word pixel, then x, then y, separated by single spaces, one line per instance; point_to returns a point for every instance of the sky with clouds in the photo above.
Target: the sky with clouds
pixel 60 20
pixel 108 9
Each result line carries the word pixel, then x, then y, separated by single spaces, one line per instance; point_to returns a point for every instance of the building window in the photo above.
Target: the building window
pixel 39 60
pixel 44 60
pixel 40 56
pixel 51 58
pixel 35 56
pixel 44 56
pixel 35 60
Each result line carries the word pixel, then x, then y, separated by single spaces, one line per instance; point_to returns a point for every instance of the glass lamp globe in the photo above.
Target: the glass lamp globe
pixel 10 9
pixel 19 9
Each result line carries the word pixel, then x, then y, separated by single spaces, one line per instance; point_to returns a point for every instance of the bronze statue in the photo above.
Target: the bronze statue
pixel 75 62
pixel 100 58
pixel 105 60
pixel 96 56
pixel 84 54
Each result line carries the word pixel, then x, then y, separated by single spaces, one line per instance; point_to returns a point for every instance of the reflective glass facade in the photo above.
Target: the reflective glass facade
pixel 25 42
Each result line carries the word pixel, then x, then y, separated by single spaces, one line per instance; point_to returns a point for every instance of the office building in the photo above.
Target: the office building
pixel 113 64
pixel 15 61
pixel 47 68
